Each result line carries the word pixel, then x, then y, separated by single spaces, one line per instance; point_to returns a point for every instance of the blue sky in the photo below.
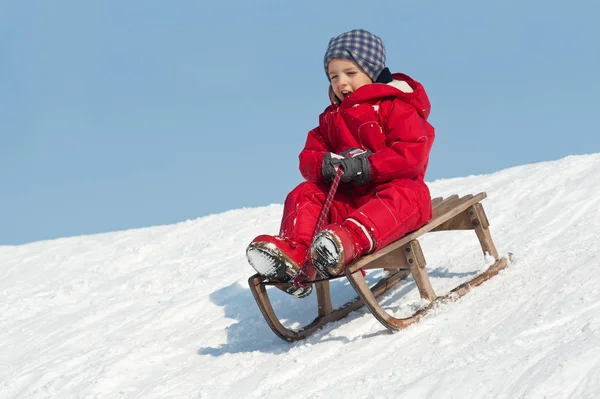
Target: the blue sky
pixel 124 114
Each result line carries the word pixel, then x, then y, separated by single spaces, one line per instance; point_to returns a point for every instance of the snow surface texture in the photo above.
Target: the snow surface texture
pixel 165 312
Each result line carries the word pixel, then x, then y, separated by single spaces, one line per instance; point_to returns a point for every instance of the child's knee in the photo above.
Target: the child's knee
pixel 305 190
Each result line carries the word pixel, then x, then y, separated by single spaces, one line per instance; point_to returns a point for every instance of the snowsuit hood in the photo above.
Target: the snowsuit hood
pixel 402 86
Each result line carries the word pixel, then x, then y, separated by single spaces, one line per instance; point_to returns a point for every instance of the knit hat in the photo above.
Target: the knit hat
pixel 358 45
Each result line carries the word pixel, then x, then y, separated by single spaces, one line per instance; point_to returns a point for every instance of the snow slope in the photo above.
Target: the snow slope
pixel 165 312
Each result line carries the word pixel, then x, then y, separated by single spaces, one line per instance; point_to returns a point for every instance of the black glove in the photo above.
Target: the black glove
pixel 331 163
pixel 355 163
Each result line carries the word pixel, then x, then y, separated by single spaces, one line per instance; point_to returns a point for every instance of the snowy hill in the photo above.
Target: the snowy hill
pixel 165 312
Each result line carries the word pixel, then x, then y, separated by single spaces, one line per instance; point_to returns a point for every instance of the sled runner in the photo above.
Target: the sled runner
pixel 400 259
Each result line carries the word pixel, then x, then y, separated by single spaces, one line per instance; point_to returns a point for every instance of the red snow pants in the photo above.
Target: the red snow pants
pixel 388 210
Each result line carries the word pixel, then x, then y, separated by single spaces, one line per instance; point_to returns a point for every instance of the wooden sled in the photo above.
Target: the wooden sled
pixel 401 259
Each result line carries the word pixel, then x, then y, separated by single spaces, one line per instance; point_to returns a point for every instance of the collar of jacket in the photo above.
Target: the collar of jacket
pixel 402 86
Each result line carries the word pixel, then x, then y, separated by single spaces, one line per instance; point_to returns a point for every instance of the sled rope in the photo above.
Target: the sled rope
pixel 302 279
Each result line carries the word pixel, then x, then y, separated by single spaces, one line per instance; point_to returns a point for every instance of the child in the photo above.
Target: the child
pixel 376 130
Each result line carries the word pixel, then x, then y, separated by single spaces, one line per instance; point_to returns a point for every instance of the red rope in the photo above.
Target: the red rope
pixel 303 278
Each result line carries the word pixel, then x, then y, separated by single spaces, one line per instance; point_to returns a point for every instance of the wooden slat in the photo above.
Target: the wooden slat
pixel 446 201
pixel 436 201
pixel 449 203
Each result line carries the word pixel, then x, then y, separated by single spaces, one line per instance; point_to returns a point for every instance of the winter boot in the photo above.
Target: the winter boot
pixel 278 259
pixel 336 246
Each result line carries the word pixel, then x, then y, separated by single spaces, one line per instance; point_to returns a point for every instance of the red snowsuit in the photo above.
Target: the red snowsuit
pixel 393 125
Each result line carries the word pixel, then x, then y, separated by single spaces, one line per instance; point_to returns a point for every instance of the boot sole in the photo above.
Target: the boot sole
pixel 268 265
pixel 276 266
pixel 326 257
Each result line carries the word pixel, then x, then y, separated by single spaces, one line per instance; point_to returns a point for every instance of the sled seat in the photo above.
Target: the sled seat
pixel 400 259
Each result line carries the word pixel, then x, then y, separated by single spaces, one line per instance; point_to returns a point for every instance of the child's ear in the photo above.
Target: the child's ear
pixel 333 97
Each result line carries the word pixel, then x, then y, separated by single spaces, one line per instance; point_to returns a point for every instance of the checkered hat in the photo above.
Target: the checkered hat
pixel 361 46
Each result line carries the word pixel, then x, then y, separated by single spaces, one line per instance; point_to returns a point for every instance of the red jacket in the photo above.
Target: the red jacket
pixel 377 117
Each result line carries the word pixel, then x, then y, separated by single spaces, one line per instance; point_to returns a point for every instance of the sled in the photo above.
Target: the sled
pixel 400 259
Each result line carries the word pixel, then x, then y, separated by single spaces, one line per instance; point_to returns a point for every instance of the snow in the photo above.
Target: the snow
pixel 165 312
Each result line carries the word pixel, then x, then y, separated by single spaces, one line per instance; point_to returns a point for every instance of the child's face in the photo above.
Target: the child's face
pixel 346 77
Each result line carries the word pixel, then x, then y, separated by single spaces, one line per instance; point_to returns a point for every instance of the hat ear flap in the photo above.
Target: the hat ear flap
pixel 333 97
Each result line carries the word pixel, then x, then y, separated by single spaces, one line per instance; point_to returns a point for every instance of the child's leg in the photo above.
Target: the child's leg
pixel 393 209
pixel 384 214
pixel 280 257
pixel 302 209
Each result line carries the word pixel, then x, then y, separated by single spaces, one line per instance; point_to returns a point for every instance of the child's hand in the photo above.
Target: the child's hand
pixel 331 164
pixel 357 168
pixel 355 165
